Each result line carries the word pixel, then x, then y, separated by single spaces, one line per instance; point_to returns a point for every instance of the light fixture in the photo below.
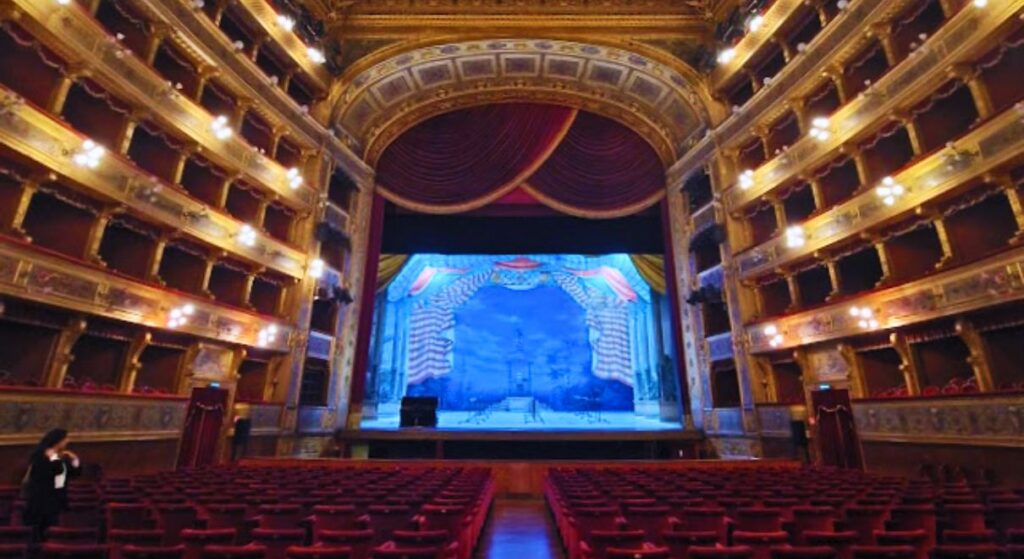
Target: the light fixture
pixel 294 178
pixel 221 128
pixel 889 191
pixel 754 23
pixel 316 268
pixel 795 237
pixel 285 22
pixel 726 56
pixel 865 317
pixel 64 2
pixel 316 55
pixel 247 235
pixel 179 315
pixel 746 179
pixel 88 155
pixel 820 128
pixel 774 337
pixel 980 3
pixel 267 336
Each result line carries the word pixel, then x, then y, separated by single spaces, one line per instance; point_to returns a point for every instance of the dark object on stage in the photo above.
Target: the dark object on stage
pixel 419 411
pixel 799 432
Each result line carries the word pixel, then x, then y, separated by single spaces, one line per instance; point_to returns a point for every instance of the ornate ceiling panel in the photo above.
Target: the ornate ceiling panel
pixel 652 98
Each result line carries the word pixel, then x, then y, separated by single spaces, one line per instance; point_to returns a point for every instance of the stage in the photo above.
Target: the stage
pixel 508 444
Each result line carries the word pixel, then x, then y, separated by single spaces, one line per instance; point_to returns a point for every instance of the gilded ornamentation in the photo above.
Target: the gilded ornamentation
pixel 25 416
pixel 655 100
pixel 984 420
pixel 995 280
pixel 963 38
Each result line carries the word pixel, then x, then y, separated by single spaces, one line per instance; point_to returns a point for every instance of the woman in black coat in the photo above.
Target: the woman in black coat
pixel 46 482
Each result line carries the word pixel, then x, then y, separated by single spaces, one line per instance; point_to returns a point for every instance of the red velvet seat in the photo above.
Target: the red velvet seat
pixel 173 518
pixel 278 541
pixel 82 514
pixel 866 521
pixel 153 552
pixel 234 552
pixel 597 543
pixel 280 516
pixel 1006 518
pixel 129 516
pixel 386 519
pixel 812 519
pixel 318 552
pixel 964 517
pixel 651 520
pixel 883 552
pixel 13 551
pixel 392 552
pixel 917 539
pixel 72 536
pixel 734 552
pixel 69 551
pixel 361 542
pixel 758 520
pixel 760 542
pixel 645 553
pixel 15 535
pixel 842 542
pixel 983 551
pixel 334 517
pixel 705 519
pixel 805 552
pixel 197 540
pixel 680 542
pixel 968 537
pixel 914 517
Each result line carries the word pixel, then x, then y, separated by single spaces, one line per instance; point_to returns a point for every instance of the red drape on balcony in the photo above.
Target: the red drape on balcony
pixel 573 161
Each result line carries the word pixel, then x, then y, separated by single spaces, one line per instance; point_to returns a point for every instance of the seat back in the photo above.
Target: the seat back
pixel 812 519
pixel 386 519
pixel 732 552
pixel 599 541
pixel 981 551
pixel 760 542
pixel 866 521
pixel 806 552
pixel 234 552
pixel 280 516
pixel 361 542
pixel 883 552
pixel 73 551
pixel 13 535
pixel 651 520
pixel 758 520
pixel 680 542
pixel 153 552
pixel 128 516
pixel 77 536
pixel 334 517
pixel 917 539
pixel 318 552
pixel 842 542
pixel 278 541
pixel 174 518
pixel 647 553
pixel 197 540
pixel 704 519
pixel 13 551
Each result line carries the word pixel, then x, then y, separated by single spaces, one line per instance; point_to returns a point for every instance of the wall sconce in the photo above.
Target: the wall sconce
pixel 889 191
pixel 795 237
pixel 285 22
pixel 221 128
pixel 247 235
pixel 179 315
pixel 88 155
pixel 746 179
pixel 316 268
pixel 726 56
pixel 820 129
pixel 267 336
pixel 774 337
pixel 316 55
pixel 294 178
pixel 866 318
pixel 755 23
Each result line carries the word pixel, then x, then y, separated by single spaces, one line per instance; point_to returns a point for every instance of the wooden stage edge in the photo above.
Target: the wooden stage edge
pixel 521 478
pixel 421 434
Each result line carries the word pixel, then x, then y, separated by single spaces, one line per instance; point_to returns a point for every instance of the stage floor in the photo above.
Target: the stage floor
pixel 541 421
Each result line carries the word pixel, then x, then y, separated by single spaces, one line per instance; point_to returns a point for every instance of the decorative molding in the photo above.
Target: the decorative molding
pixel 775 419
pixel 720 346
pixel 26 415
pixel 316 419
pixel 265 417
pixel 994 420
pixel 838 41
pixel 263 15
pixel 72 33
pixel 320 345
pixel 995 280
pixel 45 278
pixel 646 95
pixel 983 150
pixel 34 134
pixel 249 80
pixel 965 37
pixel 775 17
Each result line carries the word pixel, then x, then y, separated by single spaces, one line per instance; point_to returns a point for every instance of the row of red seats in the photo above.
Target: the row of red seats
pixel 764 512
pixel 275 512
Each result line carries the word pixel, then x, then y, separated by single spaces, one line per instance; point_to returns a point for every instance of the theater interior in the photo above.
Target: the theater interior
pixel 457 279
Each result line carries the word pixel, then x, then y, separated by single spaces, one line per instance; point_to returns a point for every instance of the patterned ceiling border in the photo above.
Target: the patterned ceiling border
pixel 664 104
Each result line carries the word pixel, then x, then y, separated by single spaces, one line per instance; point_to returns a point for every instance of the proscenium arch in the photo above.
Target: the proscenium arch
pixel 665 104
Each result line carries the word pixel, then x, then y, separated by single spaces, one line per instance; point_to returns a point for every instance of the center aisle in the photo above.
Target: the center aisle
pixel 519 529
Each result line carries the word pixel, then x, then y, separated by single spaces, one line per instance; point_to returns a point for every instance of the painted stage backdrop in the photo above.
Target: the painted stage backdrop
pixel 539 341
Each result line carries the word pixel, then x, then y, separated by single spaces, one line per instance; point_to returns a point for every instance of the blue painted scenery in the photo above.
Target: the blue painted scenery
pixel 517 341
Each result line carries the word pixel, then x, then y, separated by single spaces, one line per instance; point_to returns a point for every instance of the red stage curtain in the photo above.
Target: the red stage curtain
pixel 462 160
pixel 600 168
